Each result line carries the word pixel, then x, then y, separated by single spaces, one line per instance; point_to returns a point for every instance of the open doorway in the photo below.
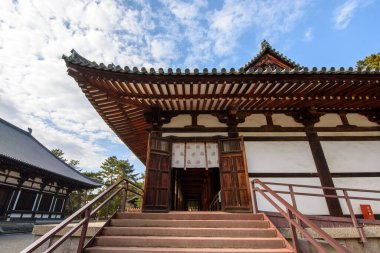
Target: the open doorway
pixel 194 189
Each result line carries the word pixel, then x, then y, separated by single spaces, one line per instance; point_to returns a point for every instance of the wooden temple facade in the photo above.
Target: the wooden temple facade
pixel 34 184
pixel 204 132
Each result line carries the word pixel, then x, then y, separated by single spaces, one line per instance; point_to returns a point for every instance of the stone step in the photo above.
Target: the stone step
pixel 191 216
pixel 189 242
pixel 101 249
pixel 184 231
pixel 190 223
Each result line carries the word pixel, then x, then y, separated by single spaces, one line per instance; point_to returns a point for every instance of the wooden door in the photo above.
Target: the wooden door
pixel 236 194
pixel 158 174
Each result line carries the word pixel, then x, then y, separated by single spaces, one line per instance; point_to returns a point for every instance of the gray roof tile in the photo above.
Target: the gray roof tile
pixel 20 145
pixel 77 59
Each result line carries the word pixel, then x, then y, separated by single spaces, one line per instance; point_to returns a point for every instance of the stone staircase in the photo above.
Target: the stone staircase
pixel 181 232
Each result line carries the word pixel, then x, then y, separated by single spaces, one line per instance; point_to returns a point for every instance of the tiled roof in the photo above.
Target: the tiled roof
pixel 122 96
pixel 77 59
pixel 21 146
pixel 267 48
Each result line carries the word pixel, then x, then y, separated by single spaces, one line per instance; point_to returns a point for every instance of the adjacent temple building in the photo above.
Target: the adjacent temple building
pixel 204 131
pixel 34 183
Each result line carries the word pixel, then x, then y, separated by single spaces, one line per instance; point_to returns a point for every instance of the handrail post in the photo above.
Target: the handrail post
pixel 124 197
pixel 87 216
pixel 363 238
pixel 294 203
pixel 254 197
pixel 293 232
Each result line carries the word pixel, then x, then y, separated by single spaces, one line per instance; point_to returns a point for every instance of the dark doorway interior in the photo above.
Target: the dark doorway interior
pixel 194 188
pixel 5 195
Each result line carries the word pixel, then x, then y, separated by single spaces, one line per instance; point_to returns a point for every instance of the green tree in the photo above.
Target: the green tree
pixel 61 155
pixel 113 169
pixel 372 61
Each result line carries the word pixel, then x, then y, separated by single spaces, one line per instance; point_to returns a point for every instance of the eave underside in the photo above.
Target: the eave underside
pixel 122 98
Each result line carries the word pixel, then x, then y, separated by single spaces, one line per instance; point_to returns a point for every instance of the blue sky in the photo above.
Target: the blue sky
pixel 36 92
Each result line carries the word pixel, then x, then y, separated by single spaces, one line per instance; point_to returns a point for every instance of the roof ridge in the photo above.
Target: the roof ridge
pixel 15 127
pixel 77 59
pixel 265 46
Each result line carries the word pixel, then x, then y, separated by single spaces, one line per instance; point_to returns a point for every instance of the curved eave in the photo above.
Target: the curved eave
pixel 44 172
pixel 122 96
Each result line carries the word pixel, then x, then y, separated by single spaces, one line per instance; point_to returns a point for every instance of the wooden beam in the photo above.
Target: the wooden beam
pixel 306 175
pixel 308 118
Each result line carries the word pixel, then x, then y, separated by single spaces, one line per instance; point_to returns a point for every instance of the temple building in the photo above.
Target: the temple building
pixel 205 134
pixel 34 183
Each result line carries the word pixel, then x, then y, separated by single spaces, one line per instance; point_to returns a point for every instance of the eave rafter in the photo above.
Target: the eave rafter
pixel 123 97
pixel 147 93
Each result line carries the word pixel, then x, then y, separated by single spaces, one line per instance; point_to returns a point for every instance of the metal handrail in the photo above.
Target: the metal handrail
pixel 345 196
pixel 292 215
pixel 215 202
pixel 88 211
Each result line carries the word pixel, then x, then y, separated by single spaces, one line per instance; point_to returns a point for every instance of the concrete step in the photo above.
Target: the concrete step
pixel 190 223
pixel 184 231
pixel 101 249
pixel 190 242
pixel 191 216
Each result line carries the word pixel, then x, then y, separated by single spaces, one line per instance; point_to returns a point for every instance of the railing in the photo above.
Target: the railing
pixel 345 195
pixel 215 204
pixel 87 211
pixel 294 217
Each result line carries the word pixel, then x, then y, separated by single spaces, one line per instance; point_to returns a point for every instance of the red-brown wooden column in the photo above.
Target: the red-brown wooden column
pixel 308 118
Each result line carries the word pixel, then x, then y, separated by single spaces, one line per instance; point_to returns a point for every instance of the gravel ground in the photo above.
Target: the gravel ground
pixel 13 243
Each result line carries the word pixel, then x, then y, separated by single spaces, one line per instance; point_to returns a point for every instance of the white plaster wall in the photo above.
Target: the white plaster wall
pixel 195 134
pixel 209 120
pixel 179 121
pixel 254 120
pixel 359 120
pixel 368 183
pixel 352 156
pixel 279 157
pixel 271 134
pixel 329 120
pixel 306 204
pixel 285 121
pixel 370 133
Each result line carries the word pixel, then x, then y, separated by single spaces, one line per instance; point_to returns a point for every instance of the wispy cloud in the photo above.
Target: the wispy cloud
pixel 35 90
pixel 308 34
pixel 344 13
pixel 214 33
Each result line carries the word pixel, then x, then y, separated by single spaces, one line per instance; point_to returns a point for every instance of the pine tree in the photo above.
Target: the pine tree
pixel 372 61
pixel 113 169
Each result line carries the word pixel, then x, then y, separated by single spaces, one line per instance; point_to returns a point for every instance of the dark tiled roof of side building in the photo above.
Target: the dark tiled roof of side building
pixel 21 146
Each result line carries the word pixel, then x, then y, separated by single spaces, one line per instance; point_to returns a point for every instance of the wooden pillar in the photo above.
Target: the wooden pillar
pixel 14 199
pixel 308 118
pixel 39 198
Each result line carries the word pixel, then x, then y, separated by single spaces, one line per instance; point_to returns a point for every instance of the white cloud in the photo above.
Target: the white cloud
pixel 36 91
pixel 215 33
pixel 162 49
pixel 344 13
pixel 308 35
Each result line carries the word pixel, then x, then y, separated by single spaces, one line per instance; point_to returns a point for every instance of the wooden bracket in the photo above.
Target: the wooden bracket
pixel 373 116
pixel 307 117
